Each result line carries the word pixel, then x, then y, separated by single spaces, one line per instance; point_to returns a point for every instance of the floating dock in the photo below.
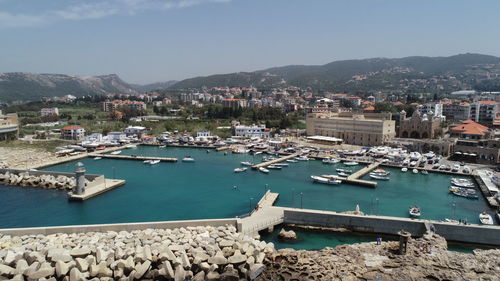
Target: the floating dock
pixel 134 157
pixel 274 161
pixel 96 189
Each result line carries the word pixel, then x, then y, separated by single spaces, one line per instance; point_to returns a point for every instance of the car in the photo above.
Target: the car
pixel 430 161
pixel 462 164
pixel 421 164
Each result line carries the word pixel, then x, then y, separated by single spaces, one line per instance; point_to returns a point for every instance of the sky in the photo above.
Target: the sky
pixel 145 41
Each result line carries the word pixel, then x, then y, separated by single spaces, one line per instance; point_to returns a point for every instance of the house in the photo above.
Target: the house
pixel 137 131
pixel 72 133
pixel 49 111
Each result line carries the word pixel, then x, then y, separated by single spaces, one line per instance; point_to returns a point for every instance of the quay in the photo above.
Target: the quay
pixel 133 157
pixel 354 178
pixel 274 161
pixel 264 216
pixel 97 188
pixel 487 187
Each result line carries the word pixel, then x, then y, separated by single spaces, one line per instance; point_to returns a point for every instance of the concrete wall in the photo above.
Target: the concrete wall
pixel 389 225
pixel 116 227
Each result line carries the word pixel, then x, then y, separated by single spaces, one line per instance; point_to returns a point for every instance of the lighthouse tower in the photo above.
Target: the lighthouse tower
pixel 80 179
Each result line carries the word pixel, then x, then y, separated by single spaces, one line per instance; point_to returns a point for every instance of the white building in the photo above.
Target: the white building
pixel 49 111
pixel 251 131
pixel 203 134
pixel 135 131
pixel 72 133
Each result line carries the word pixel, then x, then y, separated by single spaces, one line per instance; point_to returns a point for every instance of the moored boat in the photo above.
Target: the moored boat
pixel 330 161
pixel 351 163
pixel 97 158
pixel 404 169
pixel 274 167
pixel 116 152
pixel 188 159
pixel 379 177
pixel 264 170
pixel 246 163
pixel 239 170
pixel 146 161
pixel 342 174
pixel 485 218
pixel 414 212
pixel 154 162
pixel 465 194
pixel 291 161
pixel 381 172
pixel 302 158
pixel 324 180
pixel 415 171
pixel 424 172
pixel 344 171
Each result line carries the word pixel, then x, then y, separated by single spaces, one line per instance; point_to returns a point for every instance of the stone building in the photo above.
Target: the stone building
pixel 9 126
pixel 419 126
pixel 368 129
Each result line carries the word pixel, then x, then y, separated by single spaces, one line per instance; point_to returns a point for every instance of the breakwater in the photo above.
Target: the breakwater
pixel 42 179
pixel 185 253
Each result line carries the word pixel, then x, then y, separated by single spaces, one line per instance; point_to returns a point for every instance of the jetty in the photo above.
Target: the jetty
pixel 354 178
pixel 264 216
pixel 103 185
pixel 274 161
pixel 133 157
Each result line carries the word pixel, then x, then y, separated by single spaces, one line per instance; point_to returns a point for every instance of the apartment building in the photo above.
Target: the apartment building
pixel 109 106
pixel 368 129
pixel 49 111
pixel 72 133
pixel 9 126
pixel 457 111
pixel 251 131
pixel 234 103
pixel 484 111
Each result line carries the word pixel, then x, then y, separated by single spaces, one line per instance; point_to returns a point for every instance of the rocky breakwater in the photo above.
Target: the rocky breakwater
pixel 44 181
pixel 191 253
pixel 426 258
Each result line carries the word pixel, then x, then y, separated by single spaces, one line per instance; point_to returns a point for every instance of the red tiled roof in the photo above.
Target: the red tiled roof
pixel 72 128
pixel 469 127
pixel 398 103
pixel 487 102
pixel 369 108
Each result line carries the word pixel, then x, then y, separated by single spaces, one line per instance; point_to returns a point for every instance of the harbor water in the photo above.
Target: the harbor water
pixel 208 188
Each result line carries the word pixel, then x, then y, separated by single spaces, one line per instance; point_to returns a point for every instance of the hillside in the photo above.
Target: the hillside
pixel 401 74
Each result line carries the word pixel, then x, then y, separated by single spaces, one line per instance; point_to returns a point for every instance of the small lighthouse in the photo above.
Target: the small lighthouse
pixel 80 179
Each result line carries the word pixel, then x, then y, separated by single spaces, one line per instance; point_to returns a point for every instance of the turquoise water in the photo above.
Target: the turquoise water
pixel 205 189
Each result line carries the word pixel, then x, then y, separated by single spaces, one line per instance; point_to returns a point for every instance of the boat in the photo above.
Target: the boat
pixel 187 159
pixel 162 146
pixel 291 161
pixel 274 167
pixel 381 172
pixel 404 169
pixel 146 161
pixel 379 177
pixel 239 170
pixel 98 158
pixel 281 164
pixel 414 212
pixel 246 163
pixel 154 162
pixel 344 171
pixel 465 194
pixel 264 170
pixel 330 161
pixel 116 152
pixel 319 179
pixel 424 172
pixel 462 183
pixel 485 218
pixel 351 163
pixel 257 153
pixel 456 188
pixel 342 174
pixel 302 158
pixel 415 171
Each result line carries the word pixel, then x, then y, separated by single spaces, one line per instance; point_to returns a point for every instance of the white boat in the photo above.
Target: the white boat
pixel 424 172
pixel 351 163
pixel 342 174
pixel 462 183
pixel 291 161
pixel 414 212
pixel 146 161
pixel 302 158
pixel 187 159
pixel 239 170
pixel 162 146
pixel 274 167
pixel 281 164
pixel 330 161
pixel 404 169
pixel 154 162
pixel 257 153
pixel 325 180
pixel 116 152
pixel 344 171
pixel 379 177
pixel 381 172
pixel 485 218
pixel 264 170
pixel 246 163
pixel 97 158
pixel 415 171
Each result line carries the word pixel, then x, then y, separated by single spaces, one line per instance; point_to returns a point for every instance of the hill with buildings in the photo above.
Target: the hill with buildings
pixel 418 73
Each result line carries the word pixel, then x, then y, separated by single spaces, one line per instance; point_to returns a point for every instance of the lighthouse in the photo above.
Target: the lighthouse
pixel 80 179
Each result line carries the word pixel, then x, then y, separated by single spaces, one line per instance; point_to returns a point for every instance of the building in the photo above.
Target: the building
pixel 478 151
pixel 259 131
pixel 456 111
pixel 203 133
pixel 484 111
pixel 72 133
pixel 419 126
pixel 234 103
pixel 439 146
pixel 50 111
pixel 432 109
pixel 9 126
pixel 117 104
pixel 137 131
pixel 469 129
pixel 367 129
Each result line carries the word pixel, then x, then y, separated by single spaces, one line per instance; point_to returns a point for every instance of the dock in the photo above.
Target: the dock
pixel 94 190
pixel 363 171
pixel 133 157
pixel 264 216
pixel 274 161
pixel 354 178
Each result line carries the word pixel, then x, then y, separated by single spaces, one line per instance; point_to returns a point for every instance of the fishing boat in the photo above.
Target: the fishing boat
pixel 462 182
pixel 404 169
pixel 465 194
pixel 379 177
pixel 154 162
pixel 414 212
pixel 246 163
pixel 485 218
pixel 381 172
pixel 424 172
pixel 342 174
pixel 116 152
pixel 188 159
pixel 291 161
pixel 461 189
pixel 319 179
pixel 274 167
pixel 415 171
pixel 97 158
pixel 281 164
pixel 239 170
pixel 302 158
pixel 351 163
pixel 146 161
pixel 330 161
pixel 344 171
pixel 264 170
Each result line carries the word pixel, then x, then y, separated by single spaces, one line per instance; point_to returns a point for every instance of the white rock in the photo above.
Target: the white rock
pixel 256 270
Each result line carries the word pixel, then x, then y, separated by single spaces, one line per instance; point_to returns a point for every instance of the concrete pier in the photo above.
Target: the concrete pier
pixel 274 161
pixel 96 189
pixel 264 216
pixel 134 157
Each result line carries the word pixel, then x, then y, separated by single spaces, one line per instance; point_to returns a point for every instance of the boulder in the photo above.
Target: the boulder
pixel 141 269
pixel 256 270
pixel 287 235
pixel 80 252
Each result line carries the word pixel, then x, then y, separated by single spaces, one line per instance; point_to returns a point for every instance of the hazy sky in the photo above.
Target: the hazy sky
pixel 146 41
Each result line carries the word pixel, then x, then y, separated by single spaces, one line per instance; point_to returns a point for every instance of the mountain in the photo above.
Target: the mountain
pixel 30 86
pixel 415 73
pixel 153 86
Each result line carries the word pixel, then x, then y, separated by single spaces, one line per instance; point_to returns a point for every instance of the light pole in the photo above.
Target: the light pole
pixel 250 205
pixel 301 200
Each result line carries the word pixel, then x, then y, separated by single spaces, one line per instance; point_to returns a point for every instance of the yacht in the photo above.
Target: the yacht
pixel 291 161
pixel 264 170
pixel 302 158
pixel 146 161
pixel 239 170
pixel 379 177
pixel 485 218
pixel 319 179
pixel 330 161
pixel 154 162
pixel 97 158
pixel 344 171
pixel 274 167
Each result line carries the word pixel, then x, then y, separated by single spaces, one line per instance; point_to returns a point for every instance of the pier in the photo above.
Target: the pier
pixel 99 187
pixel 264 216
pixel 274 161
pixel 133 157
pixel 354 178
